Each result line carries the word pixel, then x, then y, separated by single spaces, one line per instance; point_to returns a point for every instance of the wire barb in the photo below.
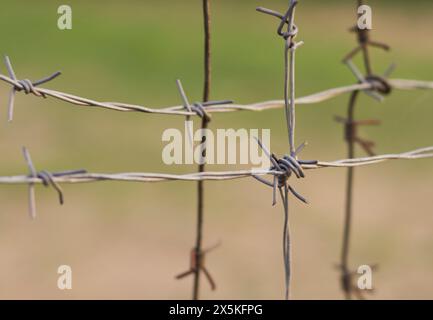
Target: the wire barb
pixel 289 163
pixel 24 85
pixel 197 262
pixel 47 179
pixel 285 167
pixel 32 202
pixel 377 85
pixel 351 132
pixel 364 42
pixel 198 108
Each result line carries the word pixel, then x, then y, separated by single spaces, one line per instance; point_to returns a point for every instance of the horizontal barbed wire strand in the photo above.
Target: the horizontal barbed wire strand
pixel 401 84
pixel 215 175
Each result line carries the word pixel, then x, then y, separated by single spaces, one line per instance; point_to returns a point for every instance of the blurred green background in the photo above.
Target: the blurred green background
pixel 130 240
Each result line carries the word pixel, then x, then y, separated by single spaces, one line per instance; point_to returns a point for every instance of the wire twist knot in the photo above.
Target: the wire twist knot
pixel 378 83
pixel 284 167
pixel 200 111
pixel 287 19
pixel 287 165
pixel 25 85
pixel 48 179
pixel 197 264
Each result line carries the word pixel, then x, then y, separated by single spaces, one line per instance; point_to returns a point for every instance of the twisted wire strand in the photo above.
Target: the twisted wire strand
pixel 401 84
pixel 74 177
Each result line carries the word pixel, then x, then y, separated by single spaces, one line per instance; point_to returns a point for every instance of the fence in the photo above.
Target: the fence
pixel 282 168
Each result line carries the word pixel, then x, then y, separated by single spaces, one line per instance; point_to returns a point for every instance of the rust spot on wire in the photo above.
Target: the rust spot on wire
pixel 349 285
pixel 351 132
pixel 197 262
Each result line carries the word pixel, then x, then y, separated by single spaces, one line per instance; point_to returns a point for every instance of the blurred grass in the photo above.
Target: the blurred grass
pixel 132 51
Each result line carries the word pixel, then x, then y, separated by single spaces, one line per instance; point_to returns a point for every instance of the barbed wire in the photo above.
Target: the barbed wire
pixel 199 254
pixel 288 163
pixel 351 137
pixel 53 179
pixel 29 87
pixel 280 171
pixel 81 176
pixel 73 177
